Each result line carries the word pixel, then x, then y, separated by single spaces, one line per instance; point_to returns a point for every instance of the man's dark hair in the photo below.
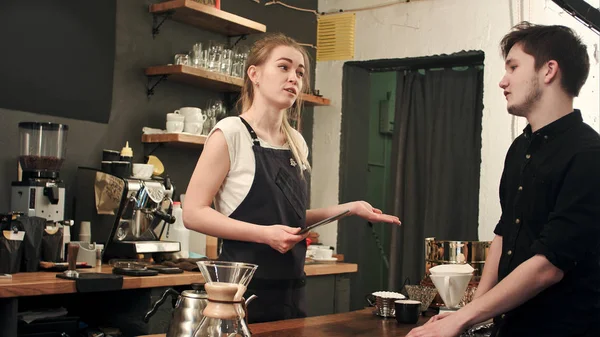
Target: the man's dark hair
pixel 557 43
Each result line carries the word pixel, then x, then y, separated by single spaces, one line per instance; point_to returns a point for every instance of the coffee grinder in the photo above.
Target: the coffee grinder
pixel 39 191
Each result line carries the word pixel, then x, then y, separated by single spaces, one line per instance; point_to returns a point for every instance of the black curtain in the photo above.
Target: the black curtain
pixel 436 162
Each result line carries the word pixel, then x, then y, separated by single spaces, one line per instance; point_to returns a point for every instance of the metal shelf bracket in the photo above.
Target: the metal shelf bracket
pixel 240 38
pixel 151 152
pixel 158 20
pixel 150 87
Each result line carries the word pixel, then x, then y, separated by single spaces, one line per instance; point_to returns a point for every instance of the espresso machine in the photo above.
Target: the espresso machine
pixel 39 191
pixel 145 210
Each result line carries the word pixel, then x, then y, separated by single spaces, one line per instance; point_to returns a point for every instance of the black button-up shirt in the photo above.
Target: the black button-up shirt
pixel 550 198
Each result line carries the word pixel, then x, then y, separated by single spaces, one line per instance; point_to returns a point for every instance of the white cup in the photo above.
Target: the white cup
pixel 195 118
pixel 175 117
pixel 174 127
pixel 193 128
pixel 188 110
pixel 85 231
pixel 192 115
pixel 323 253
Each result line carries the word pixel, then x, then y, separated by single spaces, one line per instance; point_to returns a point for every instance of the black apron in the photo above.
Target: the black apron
pixel 278 195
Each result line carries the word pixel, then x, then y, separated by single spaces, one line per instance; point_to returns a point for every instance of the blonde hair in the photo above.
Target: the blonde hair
pixel 259 53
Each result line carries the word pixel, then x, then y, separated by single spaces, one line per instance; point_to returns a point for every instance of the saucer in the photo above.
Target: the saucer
pixel 325 260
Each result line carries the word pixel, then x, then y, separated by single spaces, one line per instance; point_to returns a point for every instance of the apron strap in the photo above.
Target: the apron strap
pixel 251 130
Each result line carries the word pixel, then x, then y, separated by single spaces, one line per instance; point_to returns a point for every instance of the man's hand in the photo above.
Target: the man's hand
pixel 438 317
pixel 439 326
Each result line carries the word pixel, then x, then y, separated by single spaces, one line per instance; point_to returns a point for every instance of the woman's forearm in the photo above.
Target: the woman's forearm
pixel 210 222
pixel 318 214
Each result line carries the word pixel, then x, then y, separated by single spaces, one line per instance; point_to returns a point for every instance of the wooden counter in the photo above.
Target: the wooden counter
pixel 355 323
pixel 317 269
pixel 46 283
pixel 25 285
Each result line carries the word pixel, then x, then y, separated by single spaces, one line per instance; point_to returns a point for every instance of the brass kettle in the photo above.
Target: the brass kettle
pixel 187 311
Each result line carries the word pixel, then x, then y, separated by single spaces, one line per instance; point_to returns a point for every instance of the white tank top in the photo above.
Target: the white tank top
pixel 239 179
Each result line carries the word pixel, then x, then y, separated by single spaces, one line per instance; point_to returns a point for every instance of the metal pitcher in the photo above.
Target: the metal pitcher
pixel 187 311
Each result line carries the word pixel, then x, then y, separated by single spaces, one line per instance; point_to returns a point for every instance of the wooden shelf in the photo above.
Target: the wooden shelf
pixel 208 17
pixel 179 138
pixel 312 100
pixel 197 77
pixel 215 81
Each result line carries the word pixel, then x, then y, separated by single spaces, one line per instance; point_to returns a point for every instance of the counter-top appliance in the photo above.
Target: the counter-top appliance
pixel 145 205
pixel 40 192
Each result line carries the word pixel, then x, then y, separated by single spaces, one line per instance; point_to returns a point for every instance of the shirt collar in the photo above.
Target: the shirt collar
pixel 557 127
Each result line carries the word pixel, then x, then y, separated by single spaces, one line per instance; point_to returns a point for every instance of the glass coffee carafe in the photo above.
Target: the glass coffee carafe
pixel 225 312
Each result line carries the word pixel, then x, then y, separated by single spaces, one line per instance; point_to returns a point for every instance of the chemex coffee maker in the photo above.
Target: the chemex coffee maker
pixel 39 191
pixel 145 207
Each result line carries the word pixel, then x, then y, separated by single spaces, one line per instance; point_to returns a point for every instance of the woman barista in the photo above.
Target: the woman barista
pixel 254 168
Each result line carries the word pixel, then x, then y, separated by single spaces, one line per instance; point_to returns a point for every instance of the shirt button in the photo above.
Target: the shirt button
pixel 518 221
pixel 528 156
pixel 520 188
pixel 509 252
pixel 502 316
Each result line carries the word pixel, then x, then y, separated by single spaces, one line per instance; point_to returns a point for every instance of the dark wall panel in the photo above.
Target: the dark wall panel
pixel 131 110
pixel 58 57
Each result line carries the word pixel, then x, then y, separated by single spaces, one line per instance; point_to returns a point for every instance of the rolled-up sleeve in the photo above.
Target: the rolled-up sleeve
pixel 573 228
pixel 499 230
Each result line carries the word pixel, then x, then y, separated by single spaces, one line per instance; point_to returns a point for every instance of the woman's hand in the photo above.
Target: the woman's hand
pixel 283 238
pixel 364 210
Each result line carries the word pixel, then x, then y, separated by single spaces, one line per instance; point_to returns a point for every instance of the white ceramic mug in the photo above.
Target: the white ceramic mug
pixel 175 117
pixel 193 128
pixel 195 118
pixel 188 110
pixel 192 115
pixel 175 127
pixel 323 253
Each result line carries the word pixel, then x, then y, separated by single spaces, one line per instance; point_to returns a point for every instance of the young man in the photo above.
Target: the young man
pixel 542 274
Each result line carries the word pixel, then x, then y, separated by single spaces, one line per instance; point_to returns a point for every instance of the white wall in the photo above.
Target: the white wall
pixel 430 27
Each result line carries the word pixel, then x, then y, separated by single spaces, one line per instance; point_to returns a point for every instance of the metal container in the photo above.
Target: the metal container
pixel 383 301
pixel 455 252
pixel 187 312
